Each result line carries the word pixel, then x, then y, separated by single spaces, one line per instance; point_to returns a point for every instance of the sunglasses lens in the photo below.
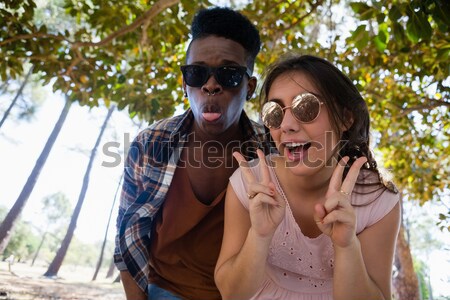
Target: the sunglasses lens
pixel 194 75
pixel 306 108
pixel 272 114
pixel 229 76
pixel 226 76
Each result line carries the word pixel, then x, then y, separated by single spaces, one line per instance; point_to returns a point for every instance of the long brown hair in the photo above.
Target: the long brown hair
pixel 342 100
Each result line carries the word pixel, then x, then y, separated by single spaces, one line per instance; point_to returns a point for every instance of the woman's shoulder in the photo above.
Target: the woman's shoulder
pixel 372 199
pixel 370 189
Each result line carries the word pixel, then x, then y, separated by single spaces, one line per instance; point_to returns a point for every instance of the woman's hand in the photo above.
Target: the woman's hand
pixel 336 217
pixel 266 206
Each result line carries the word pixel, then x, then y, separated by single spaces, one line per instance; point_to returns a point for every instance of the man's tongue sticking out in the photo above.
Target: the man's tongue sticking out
pixel 210 116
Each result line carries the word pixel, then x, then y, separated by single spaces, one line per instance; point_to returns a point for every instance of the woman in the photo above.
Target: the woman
pixel 317 220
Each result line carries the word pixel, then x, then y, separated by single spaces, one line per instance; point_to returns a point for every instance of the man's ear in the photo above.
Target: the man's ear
pixel 184 88
pixel 251 87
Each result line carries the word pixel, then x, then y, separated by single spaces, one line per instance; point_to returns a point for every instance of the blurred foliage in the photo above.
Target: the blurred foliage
pixel 26 238
pixel 84 254
pixel 399 57
pixel 396 51
pixel 422 271
pixel 426 242
pixel 24 241
pixel 57 210
pixel 125 53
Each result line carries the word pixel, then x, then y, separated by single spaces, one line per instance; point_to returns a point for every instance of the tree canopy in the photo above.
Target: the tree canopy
pixel 396 51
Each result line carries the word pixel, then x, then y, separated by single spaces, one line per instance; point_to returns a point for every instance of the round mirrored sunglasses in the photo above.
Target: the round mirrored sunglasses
pixel 305 108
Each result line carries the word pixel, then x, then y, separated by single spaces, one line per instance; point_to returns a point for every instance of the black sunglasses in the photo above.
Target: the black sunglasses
pixel 226 76
pixel 305 108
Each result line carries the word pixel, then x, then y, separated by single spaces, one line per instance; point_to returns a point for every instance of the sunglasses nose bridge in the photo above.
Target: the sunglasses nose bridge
pixel 211 87
pixel 287 117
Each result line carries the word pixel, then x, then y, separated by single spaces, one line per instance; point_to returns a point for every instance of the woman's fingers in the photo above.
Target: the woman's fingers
pixel 339 215
pixel 255 188
pixel 352 175
pixel 243 164
pixel 263 167
pixel 319 213
pixel 336 177
pixel 246 170
pixel 264 198
pixel 337 200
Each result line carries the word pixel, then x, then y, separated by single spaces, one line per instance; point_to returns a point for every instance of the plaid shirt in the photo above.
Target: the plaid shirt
pixel 149 168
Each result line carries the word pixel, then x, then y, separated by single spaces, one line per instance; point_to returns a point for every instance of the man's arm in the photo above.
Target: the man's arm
pixel 131 187
pixel 132 290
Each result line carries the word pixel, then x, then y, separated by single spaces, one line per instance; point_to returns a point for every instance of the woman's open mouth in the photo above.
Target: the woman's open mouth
pixel 296 151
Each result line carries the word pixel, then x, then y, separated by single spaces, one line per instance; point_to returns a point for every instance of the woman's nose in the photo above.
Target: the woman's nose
pixel 289 123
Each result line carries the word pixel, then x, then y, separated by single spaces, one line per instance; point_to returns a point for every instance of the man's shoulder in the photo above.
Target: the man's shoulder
pixel 161 129
pixel 259 128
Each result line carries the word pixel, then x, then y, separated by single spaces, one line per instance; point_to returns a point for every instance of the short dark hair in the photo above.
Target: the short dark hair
pixel 230 24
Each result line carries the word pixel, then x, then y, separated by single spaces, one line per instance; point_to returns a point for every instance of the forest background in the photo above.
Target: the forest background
pixel 79 79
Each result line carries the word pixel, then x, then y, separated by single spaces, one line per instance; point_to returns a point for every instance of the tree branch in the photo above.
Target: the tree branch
pixel 300 19
pixel 34 35
pixel 432 104
pixel 79 58
pixel 145 18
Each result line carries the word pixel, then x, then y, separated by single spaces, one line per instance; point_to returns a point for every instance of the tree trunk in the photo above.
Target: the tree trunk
pixel 111 269
pixel 406 285
pixel 100 259
pixel 9 222
pixel 55 265
pixel 19 92
pixel 39 248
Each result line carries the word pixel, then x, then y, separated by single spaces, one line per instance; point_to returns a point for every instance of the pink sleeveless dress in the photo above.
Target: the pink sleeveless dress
pixel 299 267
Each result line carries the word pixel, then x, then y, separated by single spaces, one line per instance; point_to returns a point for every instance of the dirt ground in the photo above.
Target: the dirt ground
pixel 25 282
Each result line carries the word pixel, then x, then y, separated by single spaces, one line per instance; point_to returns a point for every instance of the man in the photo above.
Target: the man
pixel 170 221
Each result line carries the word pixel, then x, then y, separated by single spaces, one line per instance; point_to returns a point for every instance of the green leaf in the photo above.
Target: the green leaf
pixel 394 13
pixel 359 7
pixel 425 27
pixel 413 30
pixel 399 32
pixel 380 18
pixel 443 55
pixel 358 33
pixel 379 44
pixel 441 13
pixel 121 79
pixel 362 41
pixel 155 106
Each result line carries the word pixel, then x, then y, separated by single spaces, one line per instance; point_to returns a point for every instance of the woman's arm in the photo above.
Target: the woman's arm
pixel 241 264
pixel 363 269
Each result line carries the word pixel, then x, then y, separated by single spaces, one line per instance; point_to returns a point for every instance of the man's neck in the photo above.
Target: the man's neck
pixel 232 134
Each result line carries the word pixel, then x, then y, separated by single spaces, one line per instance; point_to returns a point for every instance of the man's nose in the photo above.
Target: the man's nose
pixel 212 87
